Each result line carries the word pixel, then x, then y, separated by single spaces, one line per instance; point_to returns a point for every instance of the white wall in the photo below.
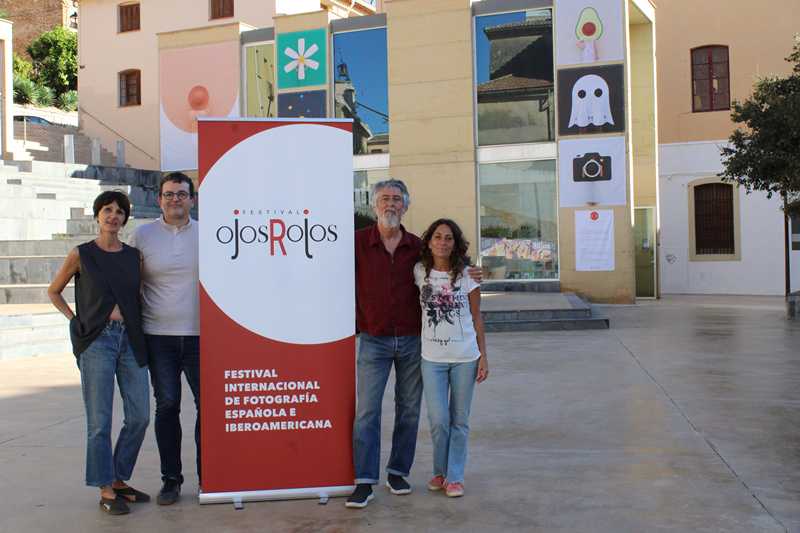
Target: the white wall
pixel 761 268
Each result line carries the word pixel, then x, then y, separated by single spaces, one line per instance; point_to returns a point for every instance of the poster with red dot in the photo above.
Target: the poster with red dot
pixel 589 31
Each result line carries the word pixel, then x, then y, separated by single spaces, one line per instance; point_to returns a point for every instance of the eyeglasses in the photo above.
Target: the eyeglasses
pixel 180 195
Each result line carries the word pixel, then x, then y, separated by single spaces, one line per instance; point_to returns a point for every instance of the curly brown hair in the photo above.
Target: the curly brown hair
pixel 458 257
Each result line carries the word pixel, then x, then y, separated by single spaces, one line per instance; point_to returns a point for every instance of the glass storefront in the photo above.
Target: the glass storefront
pixel 361 87
pixel 514 77
pixel 519 220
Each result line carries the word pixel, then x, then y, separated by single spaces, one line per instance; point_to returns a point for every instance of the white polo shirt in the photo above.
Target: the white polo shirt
pixel 170 280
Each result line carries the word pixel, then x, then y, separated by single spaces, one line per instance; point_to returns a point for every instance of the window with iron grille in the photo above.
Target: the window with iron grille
pixel 710 79
pixel 713 219
pixel 128 17
pixel 130 88
pixel 221 9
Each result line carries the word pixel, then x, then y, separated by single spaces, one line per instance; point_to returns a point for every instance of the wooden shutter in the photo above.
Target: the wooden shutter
pixel 130 90
pixel 713 219
pixel 129 17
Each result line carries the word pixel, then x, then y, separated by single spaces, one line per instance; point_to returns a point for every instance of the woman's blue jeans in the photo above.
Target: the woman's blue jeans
pixel 376 356
pixel 448 396
pixel 108 356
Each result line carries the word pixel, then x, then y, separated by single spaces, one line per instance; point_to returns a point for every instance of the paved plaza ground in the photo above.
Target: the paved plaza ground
pixel 684 416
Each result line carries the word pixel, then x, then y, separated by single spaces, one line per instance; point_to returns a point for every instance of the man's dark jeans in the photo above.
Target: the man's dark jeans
pixel 169 356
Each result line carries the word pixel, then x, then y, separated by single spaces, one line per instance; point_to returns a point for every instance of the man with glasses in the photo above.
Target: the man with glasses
pixel 171 320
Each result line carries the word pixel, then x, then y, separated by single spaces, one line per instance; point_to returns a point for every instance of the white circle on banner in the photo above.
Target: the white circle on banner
pixel 276 234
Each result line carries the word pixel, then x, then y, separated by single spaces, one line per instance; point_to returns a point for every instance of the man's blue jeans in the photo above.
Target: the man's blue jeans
pixel 448 398
pixel 108 356
pixel 169 356
pixel 376 355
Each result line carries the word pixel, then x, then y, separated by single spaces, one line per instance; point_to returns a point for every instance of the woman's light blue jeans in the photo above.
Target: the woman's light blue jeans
pixel 448 389
pixel 108 356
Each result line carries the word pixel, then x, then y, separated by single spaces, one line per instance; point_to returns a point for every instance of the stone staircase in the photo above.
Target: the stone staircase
pixel 46 143
pixel 47 212
pixel 530 310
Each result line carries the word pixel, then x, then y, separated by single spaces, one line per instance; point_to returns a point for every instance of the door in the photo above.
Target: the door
pixel 644 235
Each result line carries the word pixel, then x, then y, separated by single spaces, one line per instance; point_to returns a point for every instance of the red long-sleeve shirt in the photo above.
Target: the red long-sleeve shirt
pixel 387 300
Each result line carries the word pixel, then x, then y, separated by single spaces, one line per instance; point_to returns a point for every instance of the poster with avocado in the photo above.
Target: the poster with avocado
pixel 588 31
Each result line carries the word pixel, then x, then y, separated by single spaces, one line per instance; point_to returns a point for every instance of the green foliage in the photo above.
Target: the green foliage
pixel 22 67
pixel 24 89
pixel 43 96
pixel 763 156
pixel 55 59
pixel 68 101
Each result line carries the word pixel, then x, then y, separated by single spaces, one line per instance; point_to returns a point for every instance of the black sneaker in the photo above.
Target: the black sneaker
pixel 169 493
pixel 360 497
pixel 398 485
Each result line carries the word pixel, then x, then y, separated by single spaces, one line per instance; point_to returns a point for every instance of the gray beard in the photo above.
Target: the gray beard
pixel 389 220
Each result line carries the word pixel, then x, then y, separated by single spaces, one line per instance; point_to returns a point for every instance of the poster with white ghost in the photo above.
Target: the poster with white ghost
pixel 592 171
pixel 594 240
pixel 588 31
pixel 591 100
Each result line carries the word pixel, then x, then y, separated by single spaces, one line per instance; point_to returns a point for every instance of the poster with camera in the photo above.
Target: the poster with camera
pixel 592 171
pixel 591 100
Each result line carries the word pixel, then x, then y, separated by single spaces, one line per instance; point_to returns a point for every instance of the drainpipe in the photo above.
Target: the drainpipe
pixel 786 246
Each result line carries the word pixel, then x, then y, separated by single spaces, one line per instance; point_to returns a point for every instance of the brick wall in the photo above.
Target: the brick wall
pixel 31 18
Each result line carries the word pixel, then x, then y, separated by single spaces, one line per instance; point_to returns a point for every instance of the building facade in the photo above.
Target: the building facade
pixel 715 239
pixel 532 123
pixel 31 18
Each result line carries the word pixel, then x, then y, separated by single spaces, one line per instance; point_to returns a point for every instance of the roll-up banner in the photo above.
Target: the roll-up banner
pixel 277 308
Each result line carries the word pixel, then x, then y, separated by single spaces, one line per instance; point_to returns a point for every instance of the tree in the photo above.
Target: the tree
pixel 764 156
pixel 55 59
pixel 22 67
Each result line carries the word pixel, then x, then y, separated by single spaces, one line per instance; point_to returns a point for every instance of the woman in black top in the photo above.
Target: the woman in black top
pixel 108 341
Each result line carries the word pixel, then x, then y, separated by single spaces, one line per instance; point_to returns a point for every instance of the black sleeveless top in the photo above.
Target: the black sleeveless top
pixel 106 279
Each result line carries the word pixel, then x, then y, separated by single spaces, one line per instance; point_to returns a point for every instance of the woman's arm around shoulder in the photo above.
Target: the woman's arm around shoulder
pixel 70 267
pixel 477 321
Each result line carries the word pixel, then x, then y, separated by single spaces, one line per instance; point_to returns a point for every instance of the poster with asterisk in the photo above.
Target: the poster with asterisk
pixel 302 59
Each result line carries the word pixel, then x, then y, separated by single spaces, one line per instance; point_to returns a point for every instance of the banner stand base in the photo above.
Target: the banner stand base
pixel 239 497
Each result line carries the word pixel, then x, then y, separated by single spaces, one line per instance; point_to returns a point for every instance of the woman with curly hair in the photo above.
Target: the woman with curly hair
pixel 453 349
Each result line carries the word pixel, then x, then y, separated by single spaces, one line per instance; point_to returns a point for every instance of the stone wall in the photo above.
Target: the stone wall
pixel 46 143
pixel 31 18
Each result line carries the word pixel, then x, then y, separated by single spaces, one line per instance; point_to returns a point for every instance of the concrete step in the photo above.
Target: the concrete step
pixel 42 247
pixel 558 324
pixel 36 349
pixel 549 286
pixel 88 226
pixel 31 293
pixel 27 270
pixel 490 317
pixel 537 311
pixel 36 333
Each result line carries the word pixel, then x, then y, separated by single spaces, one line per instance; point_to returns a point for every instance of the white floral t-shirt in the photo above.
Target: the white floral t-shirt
pixel 448 334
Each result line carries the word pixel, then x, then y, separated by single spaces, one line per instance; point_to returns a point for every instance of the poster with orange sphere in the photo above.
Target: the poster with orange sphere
pixel 194 81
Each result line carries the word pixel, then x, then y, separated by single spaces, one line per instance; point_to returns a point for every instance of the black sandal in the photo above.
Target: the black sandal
pixel 114 506
pixel 132 495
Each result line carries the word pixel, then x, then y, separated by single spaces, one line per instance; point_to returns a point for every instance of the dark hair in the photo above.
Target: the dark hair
pixel 458 259
pixel 176 177
pixel 108 197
